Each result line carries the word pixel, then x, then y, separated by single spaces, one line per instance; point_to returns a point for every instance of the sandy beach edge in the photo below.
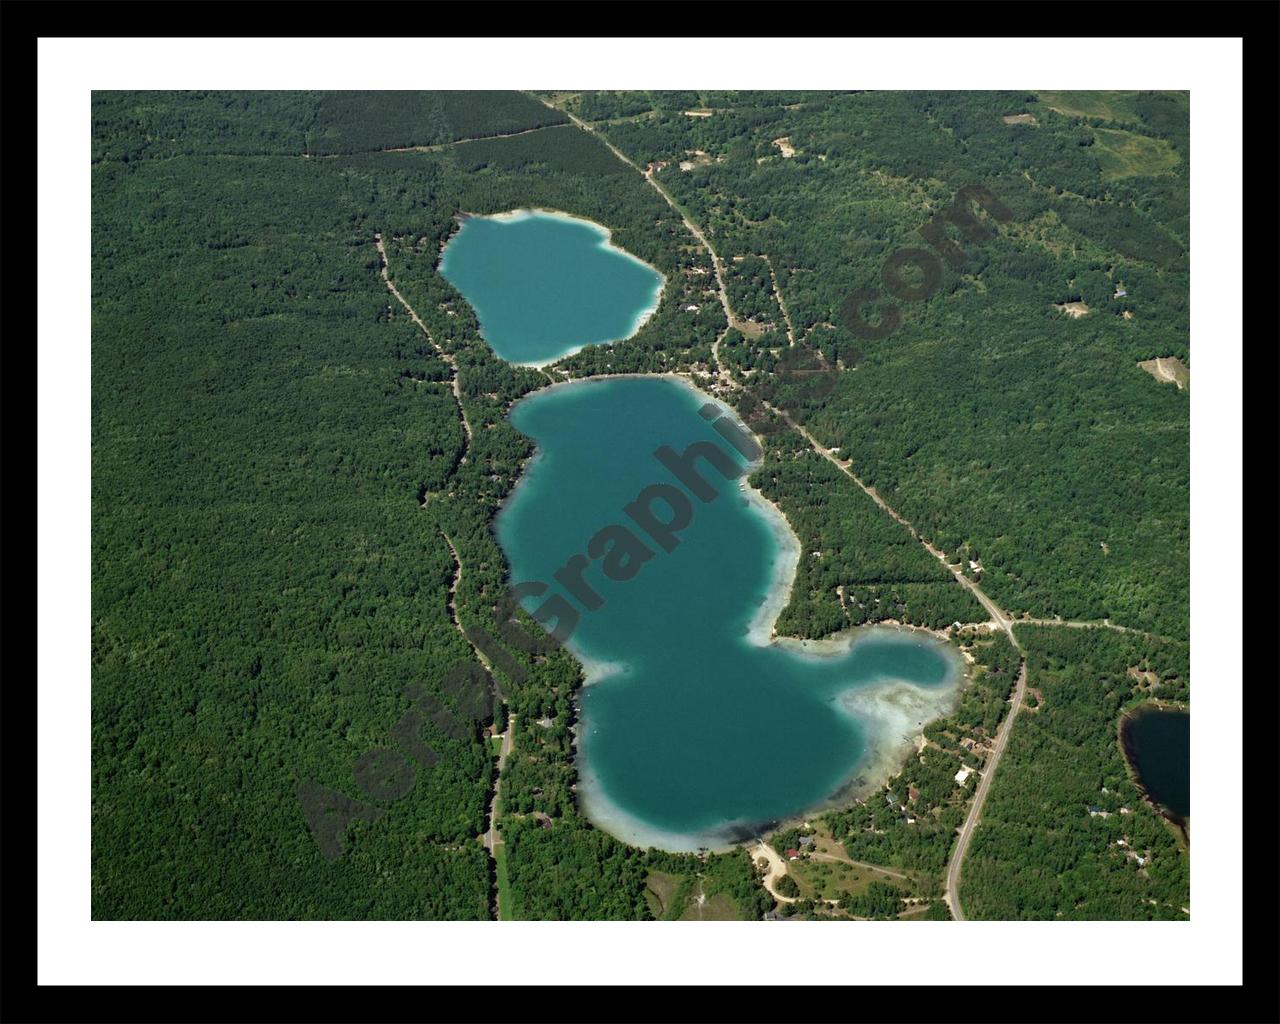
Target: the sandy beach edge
pixel 893 712
pixel 606 242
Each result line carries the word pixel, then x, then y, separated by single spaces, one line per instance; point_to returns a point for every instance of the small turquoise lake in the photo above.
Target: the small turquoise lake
pixel 544 285
pixel 694 729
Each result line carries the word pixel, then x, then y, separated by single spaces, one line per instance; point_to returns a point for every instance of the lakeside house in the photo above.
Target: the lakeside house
pixel 793 854
pixel 806 841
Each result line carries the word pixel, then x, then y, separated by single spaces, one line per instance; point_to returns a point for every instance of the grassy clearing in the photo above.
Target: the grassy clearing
pixel 826 879
pixel 683 898
pixel 719 907
pixel 1168 370
pixel 1124 154
pixel 826 872
pixel 659 890
pixel 1110 105
pixel 505 906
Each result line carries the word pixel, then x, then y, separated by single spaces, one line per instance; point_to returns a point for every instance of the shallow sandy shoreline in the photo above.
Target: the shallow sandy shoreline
pixel 892 713
pixel 606 242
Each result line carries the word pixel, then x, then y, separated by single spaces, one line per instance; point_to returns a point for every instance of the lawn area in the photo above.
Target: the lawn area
pixel 675 898
pixel 1123 154
pixel 1111 105
pixel 659 891
pixel 826 872
pixel 825 879
pixel 719 907
pixel 504 890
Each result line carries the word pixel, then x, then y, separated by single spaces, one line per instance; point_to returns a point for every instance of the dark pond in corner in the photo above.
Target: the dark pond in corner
pixel 1158 744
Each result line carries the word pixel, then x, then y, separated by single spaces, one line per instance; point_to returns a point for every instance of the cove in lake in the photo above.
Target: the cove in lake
pixel 544 285
pixel 695 729
pixel 1158 744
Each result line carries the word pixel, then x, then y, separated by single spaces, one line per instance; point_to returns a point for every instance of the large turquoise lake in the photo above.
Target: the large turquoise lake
pixel 544 285
pixel 695 730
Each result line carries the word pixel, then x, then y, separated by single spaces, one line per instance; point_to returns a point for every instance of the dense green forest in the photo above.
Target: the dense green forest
pixel 353 122
pixel 856 564
pixel 1040 852
pixel 279 467
pixel 992 420
pixel 264 585
pixel 288 721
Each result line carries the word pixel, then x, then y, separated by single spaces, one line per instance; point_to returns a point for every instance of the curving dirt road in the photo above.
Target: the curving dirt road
pixel 791 331
pixel 777 868
pixel 453 363
pixel 492 838
pixel 1001 618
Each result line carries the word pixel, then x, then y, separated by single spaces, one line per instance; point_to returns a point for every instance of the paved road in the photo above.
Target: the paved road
pixel 980 797
pixel 1001 618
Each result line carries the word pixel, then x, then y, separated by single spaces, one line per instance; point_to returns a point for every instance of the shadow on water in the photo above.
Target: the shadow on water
pixel 1157 746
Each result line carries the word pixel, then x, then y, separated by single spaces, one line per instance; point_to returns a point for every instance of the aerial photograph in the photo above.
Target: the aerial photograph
pixel 742 505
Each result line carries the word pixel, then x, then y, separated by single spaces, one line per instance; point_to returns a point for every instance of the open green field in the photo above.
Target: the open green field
pixel 819 879
pixel 719 907
pixel 1123 154
pixel 661 890
pixel 1110 105
pixel 684 898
